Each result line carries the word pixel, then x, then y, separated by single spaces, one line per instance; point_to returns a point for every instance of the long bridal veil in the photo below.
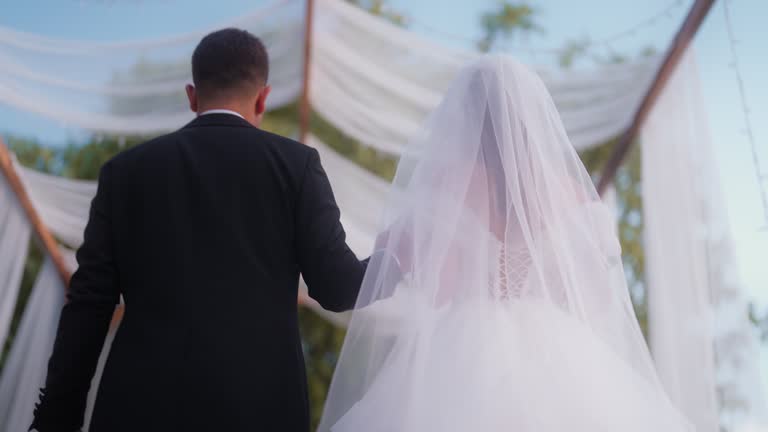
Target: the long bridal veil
pixel 491 210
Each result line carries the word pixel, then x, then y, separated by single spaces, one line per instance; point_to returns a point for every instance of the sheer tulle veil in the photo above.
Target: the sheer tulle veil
pixel 491 205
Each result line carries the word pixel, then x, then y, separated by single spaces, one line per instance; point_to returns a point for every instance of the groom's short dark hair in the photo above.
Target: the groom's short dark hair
pixel 227 61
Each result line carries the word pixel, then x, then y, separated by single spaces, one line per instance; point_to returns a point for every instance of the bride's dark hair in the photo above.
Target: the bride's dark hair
pixel 490 158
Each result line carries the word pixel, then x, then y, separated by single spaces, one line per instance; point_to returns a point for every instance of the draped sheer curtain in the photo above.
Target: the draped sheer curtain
pixel 377 82
pixel 24 371
pixel 14 241
pixel 699 331
pixel 62 203
pixel 25 367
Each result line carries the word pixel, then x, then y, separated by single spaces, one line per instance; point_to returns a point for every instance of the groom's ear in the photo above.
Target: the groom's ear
pixel 192 96
pixel 261 101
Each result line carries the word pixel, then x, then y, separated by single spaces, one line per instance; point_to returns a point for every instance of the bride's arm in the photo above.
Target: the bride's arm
pixel 608 237
pixel 390 261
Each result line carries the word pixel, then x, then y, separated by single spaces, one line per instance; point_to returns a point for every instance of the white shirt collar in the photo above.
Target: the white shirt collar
pixel 221 111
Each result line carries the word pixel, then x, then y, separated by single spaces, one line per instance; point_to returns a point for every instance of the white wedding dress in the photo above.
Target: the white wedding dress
pixel 503 363
pixel 496 299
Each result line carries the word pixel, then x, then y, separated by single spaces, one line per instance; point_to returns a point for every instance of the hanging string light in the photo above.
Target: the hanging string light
pixel 761 175
pixel 588 45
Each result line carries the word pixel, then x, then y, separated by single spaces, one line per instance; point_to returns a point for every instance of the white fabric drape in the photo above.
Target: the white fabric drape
pixel 610 199
pixel 25 369
pixel 377 82
pixel 14 241
pixel 24 372
pixel 135 87
pixel 62 203
pixel 737 372
pixel 676 174
pixel 371 79
pixel 359 194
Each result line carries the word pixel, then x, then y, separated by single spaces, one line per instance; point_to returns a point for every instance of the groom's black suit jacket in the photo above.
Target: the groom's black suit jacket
pixel 204 232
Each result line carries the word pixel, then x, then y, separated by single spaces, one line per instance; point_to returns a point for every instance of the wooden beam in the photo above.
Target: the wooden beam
pixel 305 110
pixel 680 43
pixel 42 233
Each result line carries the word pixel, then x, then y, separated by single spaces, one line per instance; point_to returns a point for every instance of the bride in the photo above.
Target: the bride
pixel 496 299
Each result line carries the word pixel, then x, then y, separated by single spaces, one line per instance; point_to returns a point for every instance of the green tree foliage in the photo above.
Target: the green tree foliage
pixel 149 72
pixel 380 8
pixel 572 50
pixel 628 187
pixel 321 342
pixel 577 49
pixel 760 320
pixel 507 19
pixel 627 183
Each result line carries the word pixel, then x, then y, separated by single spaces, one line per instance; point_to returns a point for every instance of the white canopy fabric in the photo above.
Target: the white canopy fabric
pixel 63 204
pixel 360 194
pixel 377 82
pixel 135 87
pixel 373 80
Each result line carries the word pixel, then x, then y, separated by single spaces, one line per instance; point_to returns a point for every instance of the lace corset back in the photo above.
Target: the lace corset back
pixel 509 273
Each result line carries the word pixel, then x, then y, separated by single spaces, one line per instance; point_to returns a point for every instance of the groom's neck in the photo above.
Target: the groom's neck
pixel 228 107
pixel 248 114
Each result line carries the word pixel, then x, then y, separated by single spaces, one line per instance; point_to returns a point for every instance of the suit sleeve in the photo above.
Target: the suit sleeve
pixel 331 270
pixel 91 299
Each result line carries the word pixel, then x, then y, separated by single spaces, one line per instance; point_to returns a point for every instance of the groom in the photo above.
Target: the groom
pixel 204 233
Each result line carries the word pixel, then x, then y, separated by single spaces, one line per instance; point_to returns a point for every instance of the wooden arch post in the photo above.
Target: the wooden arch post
pixel 680 43
pixel 42 234
pixel 305 110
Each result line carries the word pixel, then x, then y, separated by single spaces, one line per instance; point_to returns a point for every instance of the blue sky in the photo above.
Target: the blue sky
pixel 456 22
